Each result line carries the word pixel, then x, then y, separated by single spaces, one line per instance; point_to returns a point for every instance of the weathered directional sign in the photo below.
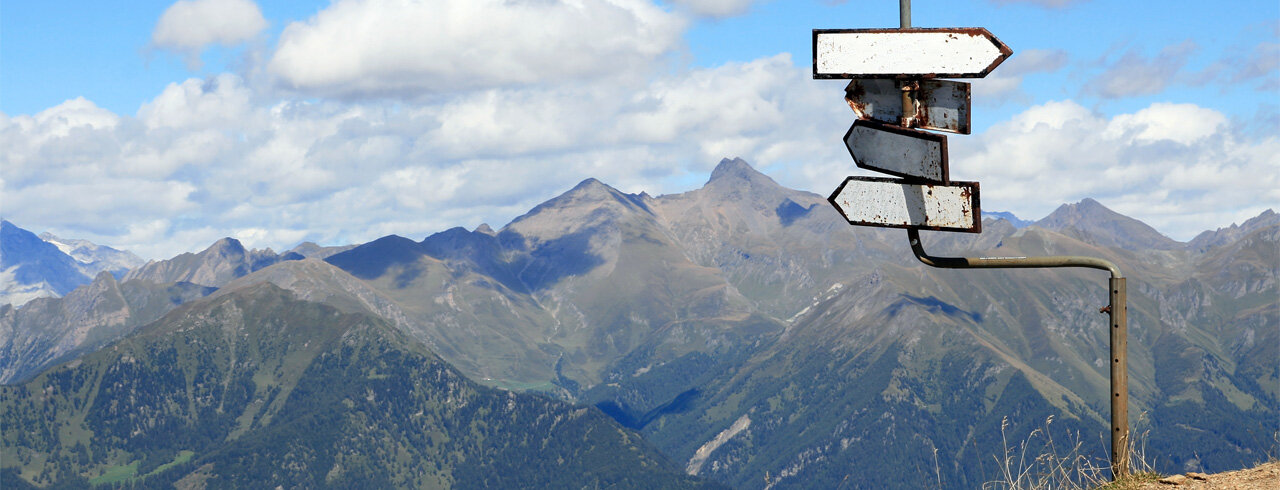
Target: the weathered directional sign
pixel 898 151
pixel 893 72
pixel 940 105
pixel 963 52
pixel 892 203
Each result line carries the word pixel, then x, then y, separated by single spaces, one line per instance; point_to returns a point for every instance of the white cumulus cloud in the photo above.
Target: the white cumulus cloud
pixel 188 26
pixel 1180 168
pixel 1184 124
pixel 405 48
pixel 217 102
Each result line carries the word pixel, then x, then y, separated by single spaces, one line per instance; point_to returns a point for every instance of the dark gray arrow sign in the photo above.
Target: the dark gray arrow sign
pixel 953 52
pixel 893 203
pixel 898 151
pixel 941 105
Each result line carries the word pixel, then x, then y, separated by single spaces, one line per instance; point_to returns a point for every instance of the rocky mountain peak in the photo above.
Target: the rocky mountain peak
pixel 1007 216
pixel 314 250
pixel 457 242
pixel 1091 221
pixel 1071 214
pixel 1209 239
pixel 587 190
pixel 224 260
pixel 1267 218
pixel 18 243
pixel 32 268
pixel 737 171
pixel 374 258
pixel 590 192
pixel 226 247
pixel 94 258
pixel 306 249
pixel 587 204
pixel 591 183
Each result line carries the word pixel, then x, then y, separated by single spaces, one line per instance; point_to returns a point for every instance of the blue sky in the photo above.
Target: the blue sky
pixel 163 126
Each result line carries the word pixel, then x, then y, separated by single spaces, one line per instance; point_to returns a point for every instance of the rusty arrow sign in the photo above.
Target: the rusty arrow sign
pixel 955 52
pixel 898 151
pixel 892 203
pixel 940 105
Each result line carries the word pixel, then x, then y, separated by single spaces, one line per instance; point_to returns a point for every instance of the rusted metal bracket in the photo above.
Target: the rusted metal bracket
pixel 1117 312
pixel 909 116
pixel 1009 262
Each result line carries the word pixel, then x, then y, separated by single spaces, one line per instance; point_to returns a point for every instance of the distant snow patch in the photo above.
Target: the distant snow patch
pixel 835 288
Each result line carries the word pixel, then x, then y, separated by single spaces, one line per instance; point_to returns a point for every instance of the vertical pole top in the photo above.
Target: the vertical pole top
pixel 908 97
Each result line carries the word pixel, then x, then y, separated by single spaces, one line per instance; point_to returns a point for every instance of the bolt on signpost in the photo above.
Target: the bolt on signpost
pixel 894 87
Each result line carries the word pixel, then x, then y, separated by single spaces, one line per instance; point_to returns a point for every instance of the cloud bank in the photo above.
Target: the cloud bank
pixel 384 129
pixel 1178 167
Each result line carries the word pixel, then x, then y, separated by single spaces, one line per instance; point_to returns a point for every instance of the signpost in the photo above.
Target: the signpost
pixel 898 151
pixel 965 52
pixel 941 105
pixel 902 65
pixel 873 201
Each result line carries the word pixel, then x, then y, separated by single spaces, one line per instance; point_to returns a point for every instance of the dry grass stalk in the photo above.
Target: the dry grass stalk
pixel 1040 462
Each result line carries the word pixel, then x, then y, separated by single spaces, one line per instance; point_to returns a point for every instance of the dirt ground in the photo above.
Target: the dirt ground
pixel 1262 477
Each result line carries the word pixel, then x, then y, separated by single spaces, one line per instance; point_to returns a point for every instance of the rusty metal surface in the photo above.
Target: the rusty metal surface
pixel 940 105
pixel 898 151
pixel 893 203
pixel 1055 261
pixel 1118 314
pixel 953 52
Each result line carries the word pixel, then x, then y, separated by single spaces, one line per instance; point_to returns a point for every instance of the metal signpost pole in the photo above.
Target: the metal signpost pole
pixel 1117 295
pixel 908 99
pixel 925 197
pixel 1116 312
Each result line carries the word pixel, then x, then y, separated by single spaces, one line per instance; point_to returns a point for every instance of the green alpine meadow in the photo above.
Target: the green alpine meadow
pixel 257 388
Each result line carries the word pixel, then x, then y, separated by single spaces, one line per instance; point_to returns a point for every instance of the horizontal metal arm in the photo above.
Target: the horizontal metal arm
pixel 1008 262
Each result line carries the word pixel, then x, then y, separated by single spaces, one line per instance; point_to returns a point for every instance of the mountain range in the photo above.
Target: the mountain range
pixel 743 329
pixel 47 266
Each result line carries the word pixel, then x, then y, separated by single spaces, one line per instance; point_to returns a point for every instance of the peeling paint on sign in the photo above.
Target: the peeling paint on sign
pixel 965 52
pixel 898 151
pixel 892 203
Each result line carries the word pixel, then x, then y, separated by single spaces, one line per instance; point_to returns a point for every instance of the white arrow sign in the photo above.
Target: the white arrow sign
pixel 872 201
pixel 958 52
pixel 941 105
pixel 898 151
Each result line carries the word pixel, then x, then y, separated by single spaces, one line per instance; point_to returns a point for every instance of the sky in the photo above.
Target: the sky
pixel 161 127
